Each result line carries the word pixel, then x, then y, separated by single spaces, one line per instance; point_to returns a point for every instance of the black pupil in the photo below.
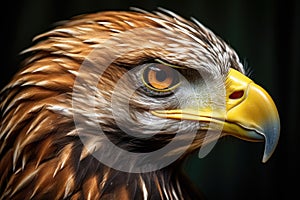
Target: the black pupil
pixel 161 75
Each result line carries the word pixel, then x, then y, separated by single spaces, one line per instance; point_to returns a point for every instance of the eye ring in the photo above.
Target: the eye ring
pixel 160 77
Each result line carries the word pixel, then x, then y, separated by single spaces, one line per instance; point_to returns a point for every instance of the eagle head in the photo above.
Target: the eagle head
pixel 108 106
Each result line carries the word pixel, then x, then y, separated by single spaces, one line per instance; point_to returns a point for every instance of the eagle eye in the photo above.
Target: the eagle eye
pixel 160 78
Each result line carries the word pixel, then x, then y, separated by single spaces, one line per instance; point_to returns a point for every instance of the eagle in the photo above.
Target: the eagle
pixel 109 105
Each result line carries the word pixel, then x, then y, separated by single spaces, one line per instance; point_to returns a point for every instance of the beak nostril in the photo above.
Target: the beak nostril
pixel 237 94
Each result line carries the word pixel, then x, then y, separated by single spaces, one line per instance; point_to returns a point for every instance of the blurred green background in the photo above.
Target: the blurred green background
pixel 265 33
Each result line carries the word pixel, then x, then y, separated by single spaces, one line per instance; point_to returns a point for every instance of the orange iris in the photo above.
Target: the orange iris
pixel 160 77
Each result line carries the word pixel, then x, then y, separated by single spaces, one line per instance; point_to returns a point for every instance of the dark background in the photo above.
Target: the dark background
pixel 265 34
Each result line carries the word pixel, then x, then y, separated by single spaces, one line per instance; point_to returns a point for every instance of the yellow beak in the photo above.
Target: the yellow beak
pixel 250 113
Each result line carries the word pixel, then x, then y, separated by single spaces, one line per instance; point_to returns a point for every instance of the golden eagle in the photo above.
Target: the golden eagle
pixel 109 105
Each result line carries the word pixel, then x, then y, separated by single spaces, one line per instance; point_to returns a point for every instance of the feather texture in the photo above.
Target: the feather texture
pixel 42 156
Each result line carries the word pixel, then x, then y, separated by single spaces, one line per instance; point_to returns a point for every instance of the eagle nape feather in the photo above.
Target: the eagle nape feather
pixel 109 105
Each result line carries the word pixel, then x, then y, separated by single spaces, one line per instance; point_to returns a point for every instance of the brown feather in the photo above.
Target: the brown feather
pixel 42 156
